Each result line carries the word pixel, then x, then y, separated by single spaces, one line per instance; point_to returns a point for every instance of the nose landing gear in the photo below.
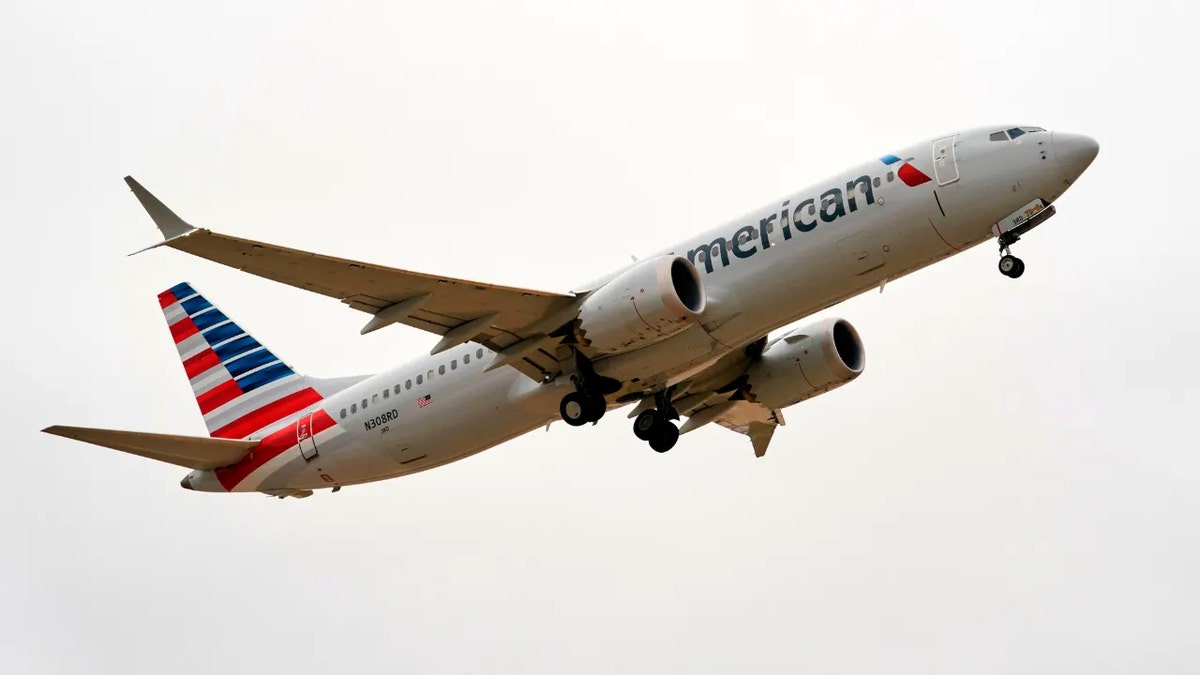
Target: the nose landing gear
pixel 1010 265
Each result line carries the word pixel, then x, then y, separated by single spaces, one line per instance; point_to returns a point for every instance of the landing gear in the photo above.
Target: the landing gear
pixel 578 408
pixel 1010 265
pixel 655 426
pixel 664 436
pixel 587 402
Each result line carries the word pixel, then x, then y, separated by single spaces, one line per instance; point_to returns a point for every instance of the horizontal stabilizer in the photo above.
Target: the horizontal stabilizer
pixel 187 451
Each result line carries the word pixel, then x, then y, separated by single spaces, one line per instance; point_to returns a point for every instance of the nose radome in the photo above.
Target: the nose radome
pixel 1074 152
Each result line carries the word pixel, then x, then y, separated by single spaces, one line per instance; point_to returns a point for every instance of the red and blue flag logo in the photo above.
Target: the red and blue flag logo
pixel 911 175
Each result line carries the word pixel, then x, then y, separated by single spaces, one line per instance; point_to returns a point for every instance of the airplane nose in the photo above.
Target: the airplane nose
pixel 1074 152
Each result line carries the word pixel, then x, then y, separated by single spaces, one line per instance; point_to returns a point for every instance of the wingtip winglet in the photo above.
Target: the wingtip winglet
pixel 168 223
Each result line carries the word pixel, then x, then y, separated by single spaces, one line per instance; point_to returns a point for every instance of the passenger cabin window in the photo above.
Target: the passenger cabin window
pixel 364 404
pixel 408 384
pixel 343 415
pixel 429 375
pixel 466 359
pixel 396 390
pixel 454 364
pixel 442 369
pixel 479 353
pixel 386 392
pixel 353 408
pixel 420 378
pixel 374 399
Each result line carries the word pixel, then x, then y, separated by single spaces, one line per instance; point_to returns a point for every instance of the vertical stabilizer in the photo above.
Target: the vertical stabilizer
pixel 241 387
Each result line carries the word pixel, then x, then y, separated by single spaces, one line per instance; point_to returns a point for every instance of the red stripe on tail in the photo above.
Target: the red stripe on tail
pixel 218 396
pixel 183 329
pixel 166 299
pixel 200 363
pixel 272 412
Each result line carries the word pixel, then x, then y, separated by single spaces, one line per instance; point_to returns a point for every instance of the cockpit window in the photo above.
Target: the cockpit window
pixel 1013 133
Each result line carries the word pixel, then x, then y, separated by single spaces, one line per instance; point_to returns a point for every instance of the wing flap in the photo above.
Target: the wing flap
pixel 187 451
pixel 754 420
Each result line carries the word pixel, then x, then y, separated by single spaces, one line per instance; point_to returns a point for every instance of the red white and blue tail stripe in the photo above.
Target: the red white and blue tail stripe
pixel 242 388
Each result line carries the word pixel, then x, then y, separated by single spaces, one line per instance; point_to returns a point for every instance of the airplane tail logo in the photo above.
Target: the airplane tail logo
pixel 241 387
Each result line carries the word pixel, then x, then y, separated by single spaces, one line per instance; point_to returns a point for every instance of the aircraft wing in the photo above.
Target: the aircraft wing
pixel 510 321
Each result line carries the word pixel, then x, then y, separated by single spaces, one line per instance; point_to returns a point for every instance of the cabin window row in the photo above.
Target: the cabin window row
pixel 420 379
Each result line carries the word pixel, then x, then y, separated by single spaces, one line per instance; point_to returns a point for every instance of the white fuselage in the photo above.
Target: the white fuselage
pixel 824 244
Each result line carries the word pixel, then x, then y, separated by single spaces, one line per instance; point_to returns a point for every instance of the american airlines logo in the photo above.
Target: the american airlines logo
pixel 826 208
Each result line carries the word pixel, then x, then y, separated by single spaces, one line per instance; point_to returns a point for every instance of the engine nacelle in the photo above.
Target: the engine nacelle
pixel 653 300
pixel 806 362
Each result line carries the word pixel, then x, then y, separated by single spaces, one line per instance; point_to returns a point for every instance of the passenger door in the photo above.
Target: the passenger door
pixel 305 438
pixel 945 165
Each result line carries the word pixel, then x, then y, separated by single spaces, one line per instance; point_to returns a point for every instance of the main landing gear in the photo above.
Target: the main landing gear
pixel 1010 265
pixel 655 426
pixel 587 402
pixel 580 407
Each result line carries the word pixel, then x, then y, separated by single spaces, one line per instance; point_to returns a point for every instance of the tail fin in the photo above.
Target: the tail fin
pixel 240 385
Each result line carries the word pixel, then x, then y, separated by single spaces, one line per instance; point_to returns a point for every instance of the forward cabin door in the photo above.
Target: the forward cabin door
pixel 945 165
pixel 305 438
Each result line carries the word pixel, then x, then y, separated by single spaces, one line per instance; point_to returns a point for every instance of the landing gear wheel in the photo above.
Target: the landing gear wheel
pixel 1011 266
pixel 575 409
pixel 578 408
pixel 597 406
pixel 663 436
pixel 644 423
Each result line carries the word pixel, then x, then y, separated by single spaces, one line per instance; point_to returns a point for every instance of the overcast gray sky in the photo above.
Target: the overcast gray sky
pixel 1011 487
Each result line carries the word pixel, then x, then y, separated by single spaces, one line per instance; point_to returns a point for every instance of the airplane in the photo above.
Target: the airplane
pixel 683 335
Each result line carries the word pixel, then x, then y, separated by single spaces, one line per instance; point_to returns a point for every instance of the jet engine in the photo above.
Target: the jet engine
pixel 652 300
pixel 806 362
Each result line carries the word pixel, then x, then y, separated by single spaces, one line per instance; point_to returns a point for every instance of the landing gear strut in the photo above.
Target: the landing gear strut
pixel 587 402
pixel 655 426
pixel 1010 265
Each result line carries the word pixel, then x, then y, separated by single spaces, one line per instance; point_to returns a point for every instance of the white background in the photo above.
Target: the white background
pixel 1012 486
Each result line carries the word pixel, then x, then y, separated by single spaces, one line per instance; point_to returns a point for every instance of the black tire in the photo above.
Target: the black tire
pixel 1019 270
pixel 597 406
pixel 575 409
pixel 664 437
pixel 1008 265
pixel 644 423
